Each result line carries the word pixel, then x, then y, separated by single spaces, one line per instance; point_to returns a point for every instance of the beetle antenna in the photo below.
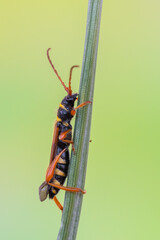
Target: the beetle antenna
pixel 70 76
pixel 66 88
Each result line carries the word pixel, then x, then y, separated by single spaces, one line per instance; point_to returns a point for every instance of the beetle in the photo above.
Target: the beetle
pixel 62 137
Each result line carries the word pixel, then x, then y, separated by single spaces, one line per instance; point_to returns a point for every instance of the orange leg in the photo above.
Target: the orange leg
pixel 73 112
pixel 83 104
pixel 69 189
pixel 52 166
pixel 62 137
pixel 58 203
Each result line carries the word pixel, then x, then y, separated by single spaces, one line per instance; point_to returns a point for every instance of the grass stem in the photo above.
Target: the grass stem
pixel 78 163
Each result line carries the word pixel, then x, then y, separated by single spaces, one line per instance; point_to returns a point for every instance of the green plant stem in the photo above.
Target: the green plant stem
pixel 78 163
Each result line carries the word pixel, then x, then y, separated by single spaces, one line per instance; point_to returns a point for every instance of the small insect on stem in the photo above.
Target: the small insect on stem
pixel 62 138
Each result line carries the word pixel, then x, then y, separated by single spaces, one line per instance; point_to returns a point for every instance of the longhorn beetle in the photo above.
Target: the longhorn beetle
pixel 62 137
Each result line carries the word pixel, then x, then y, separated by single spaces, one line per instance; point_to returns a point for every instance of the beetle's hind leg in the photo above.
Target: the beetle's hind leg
pixel 52 166
pixel 58 203
pixel 68 189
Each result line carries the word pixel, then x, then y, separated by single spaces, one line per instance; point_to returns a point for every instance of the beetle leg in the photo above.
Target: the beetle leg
pixel 58 203
pixel 62 137
pixel 73 112
pixel 83 104
pixel 69 189
pixel 52 166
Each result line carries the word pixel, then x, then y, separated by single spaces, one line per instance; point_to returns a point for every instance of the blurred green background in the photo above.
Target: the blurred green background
pixel 122 183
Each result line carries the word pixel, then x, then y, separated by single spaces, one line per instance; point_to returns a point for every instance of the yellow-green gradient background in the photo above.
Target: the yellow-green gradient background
pixel 122 183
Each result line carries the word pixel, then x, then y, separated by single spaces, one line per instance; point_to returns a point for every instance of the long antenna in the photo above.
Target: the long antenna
pixel 66 88
pixel 70 76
